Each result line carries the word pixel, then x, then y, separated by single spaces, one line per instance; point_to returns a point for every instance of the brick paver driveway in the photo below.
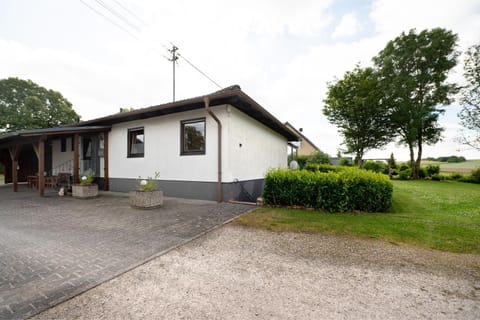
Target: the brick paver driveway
pixel 53 248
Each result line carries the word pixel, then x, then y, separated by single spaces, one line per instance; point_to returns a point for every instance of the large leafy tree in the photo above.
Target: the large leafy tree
pixel 354 105
pixel 26 105
pixel 470 97
pixel 413 69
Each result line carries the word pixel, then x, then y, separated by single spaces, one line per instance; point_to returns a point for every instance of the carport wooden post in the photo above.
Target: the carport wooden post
pixel 41 166
pixel 106 185
pixel 14 154
pixel 75 158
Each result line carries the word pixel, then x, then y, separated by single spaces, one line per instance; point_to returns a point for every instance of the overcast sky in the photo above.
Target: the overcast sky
pixel 282 53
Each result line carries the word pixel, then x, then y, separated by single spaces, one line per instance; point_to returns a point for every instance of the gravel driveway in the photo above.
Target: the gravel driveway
pixel 241 273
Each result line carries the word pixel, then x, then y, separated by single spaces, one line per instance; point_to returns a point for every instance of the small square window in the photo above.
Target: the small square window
pixel 136 143
pixel 193 137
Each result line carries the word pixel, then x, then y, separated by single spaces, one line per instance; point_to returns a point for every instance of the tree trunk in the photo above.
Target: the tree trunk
pixel 416 172
pixel 359 160
pixel 412 158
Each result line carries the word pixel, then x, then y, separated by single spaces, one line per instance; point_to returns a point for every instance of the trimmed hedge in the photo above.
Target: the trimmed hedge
pixel 321 167
pixel 347 190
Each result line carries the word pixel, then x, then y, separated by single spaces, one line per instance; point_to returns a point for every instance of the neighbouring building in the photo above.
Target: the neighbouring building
pixel 302 147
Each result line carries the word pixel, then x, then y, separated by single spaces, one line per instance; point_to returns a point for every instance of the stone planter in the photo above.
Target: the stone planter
pixel 85 191
pixel 146 199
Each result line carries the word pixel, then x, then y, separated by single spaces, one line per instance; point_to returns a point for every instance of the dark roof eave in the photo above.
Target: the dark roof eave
pixel 231 95
pixel 51 132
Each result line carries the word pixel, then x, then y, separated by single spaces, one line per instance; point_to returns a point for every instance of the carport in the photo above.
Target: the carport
pixel 15 148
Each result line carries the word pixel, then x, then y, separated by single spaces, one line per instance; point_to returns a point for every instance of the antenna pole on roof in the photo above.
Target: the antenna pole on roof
pixel 174 58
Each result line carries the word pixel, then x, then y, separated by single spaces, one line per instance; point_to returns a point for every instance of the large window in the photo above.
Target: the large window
pixel 193 137
pixel 136 143
pixel 86 148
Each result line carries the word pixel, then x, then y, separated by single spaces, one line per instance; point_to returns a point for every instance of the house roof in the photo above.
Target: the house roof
pixel 27 135
pixel 300 135
pixel 232 95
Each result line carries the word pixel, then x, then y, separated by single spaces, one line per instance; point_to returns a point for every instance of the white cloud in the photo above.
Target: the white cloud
pixel 278 51
pixel 348 26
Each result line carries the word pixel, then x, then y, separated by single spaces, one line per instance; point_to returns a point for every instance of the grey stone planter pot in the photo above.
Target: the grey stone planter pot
pixel 84 191
pixel 146 199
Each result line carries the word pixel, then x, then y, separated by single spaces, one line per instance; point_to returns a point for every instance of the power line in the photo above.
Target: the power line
pixel 196 68
pixel 116 14
pixel 130 12
pixel 109 20
pixel 173 50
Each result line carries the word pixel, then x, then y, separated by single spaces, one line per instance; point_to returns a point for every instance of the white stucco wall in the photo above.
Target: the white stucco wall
pixel 261 148
pixel 162 150
pixel 62 161
pixel 251 147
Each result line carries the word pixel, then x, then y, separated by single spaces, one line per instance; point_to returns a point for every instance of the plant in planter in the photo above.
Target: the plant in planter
pixel 146 195
pixel 86 188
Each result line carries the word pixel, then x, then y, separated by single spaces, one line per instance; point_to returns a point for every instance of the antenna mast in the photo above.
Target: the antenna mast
pixel 174 58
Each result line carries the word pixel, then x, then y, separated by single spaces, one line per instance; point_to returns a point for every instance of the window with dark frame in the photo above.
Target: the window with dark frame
pixel 63 145
pixel 86 148
pixel 136 143
pixel 192 137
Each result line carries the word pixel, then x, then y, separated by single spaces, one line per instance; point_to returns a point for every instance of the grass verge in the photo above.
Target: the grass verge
pixel 438 215
pixel 460 167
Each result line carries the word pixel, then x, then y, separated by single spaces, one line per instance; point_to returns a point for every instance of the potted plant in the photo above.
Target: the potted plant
pixel 86 188
pixel 146 194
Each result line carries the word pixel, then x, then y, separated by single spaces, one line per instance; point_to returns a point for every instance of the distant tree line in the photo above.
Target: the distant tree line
pixel 449 159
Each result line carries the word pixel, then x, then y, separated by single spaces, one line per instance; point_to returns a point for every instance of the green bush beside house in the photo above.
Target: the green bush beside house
pixel 347 190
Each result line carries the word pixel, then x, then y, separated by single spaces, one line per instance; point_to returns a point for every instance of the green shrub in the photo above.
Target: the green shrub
pixel 348 189
pixel 302 161
pixel 438 177
pixel 403 167
pixel 405 174
pixel 318 157
pixel 475 176
pixel 455 176
pixel 2 168
pixel 431 170
pixel 318 167
pixel 375 166
pixel 345 162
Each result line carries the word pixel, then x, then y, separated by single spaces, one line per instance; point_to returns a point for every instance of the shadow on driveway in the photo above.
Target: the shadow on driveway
pixel 54 248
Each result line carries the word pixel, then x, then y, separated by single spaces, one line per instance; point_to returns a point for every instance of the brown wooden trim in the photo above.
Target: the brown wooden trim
pixel 14 155
pixel 35 148
pixel 75 158
pixel 106 182
pixel 41 166
pixel 15 175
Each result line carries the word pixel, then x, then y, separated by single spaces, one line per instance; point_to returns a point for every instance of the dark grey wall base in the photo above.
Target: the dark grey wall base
pixel 248 190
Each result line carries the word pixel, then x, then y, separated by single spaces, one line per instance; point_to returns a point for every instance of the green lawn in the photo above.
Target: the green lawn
pixel 1 179
pixel 460 167
pixel 440 215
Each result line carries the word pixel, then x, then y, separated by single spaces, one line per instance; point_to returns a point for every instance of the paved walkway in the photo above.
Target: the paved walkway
pixel 54 248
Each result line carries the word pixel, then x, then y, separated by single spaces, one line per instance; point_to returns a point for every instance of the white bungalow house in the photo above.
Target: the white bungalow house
pixel 216 147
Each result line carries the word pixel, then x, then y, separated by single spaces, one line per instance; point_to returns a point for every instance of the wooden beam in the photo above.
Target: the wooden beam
pixel 76 166
pixel 35 148
pixel 106 180
pixel 41 166
pixel 14 155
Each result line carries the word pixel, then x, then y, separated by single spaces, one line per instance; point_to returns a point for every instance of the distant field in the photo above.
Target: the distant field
pixel 461 167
